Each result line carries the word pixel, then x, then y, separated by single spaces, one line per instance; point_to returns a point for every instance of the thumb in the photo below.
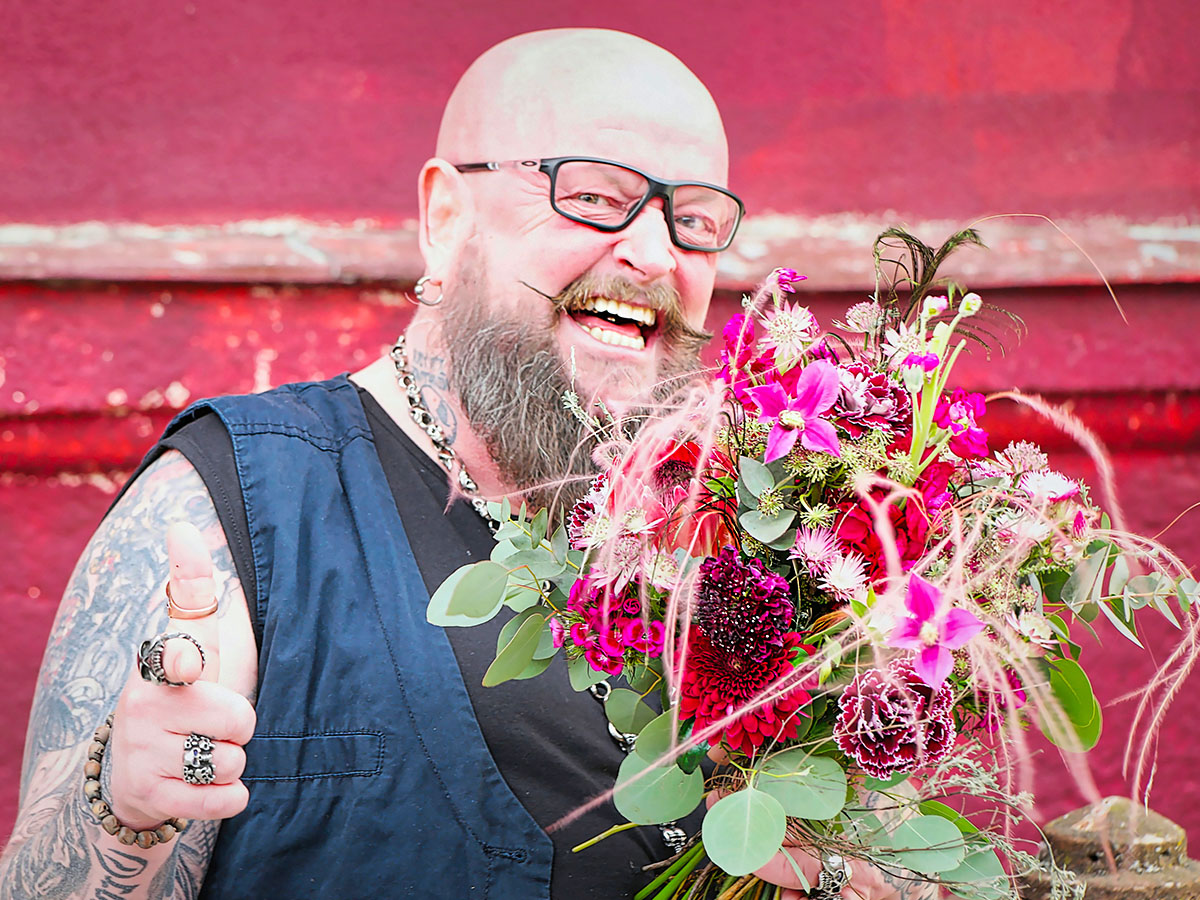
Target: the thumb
pixel 193 591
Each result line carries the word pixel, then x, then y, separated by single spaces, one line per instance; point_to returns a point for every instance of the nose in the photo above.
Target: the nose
pixel 645 245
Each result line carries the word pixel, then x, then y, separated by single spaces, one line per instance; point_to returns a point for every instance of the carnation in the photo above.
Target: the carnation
pixel 869 400
pixel 891 721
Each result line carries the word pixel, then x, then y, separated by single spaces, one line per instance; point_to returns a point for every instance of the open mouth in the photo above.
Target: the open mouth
pixel 615 322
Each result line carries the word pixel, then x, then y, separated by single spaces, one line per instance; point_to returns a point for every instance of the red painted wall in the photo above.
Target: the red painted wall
pixel 213 111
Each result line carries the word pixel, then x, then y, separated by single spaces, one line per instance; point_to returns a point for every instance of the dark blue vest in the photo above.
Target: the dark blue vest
pixel 368 774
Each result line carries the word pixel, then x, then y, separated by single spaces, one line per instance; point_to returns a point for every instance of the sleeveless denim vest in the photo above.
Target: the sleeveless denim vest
pixel 368 774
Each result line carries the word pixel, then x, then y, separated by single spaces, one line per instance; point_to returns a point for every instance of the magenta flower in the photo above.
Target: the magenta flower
pixel 933 628
pixel 927 361
pixel 798 417
pixel 957 415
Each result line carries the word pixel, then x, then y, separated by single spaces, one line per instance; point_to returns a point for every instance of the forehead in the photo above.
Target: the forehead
pixel 657 118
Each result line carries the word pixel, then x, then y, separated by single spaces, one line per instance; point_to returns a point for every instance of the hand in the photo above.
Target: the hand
pixel 152 721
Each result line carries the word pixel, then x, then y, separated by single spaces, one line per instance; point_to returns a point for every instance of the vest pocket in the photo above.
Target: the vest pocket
pixel 301 757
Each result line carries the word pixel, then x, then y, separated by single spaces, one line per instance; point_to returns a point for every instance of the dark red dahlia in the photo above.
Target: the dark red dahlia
pixel 893 722
pixel 718 683
pixel 870 400
pixel 742 608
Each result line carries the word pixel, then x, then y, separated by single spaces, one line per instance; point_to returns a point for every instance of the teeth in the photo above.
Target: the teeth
pixel 639 314
pixel 605 336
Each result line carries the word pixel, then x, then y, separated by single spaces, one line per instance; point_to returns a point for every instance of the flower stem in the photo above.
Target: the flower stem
pixel 674 874
pixel 616 829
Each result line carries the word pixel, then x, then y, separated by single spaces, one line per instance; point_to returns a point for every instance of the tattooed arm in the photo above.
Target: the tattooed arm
pixel 113 601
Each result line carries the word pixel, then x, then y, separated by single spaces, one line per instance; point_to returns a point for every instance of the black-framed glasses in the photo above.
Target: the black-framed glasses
pixel 608 195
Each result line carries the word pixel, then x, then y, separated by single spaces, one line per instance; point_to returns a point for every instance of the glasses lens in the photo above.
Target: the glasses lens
pixel 597 192
pixel 704 218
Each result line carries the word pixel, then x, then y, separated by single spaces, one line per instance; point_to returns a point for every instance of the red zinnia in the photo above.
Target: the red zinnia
pixel 717 684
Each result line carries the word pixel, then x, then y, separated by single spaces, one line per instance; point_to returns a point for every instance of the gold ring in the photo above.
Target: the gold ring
pixel 175 611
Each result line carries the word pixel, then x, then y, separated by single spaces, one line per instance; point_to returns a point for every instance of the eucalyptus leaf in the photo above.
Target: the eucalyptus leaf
pixel 523 590
pixel 538 526
pixel 885 784
pixel 661 794
pixel 1123 623
pixel 937 808
pixel 784 541
pixel 743 830
pixel 1188 592
pixel 539 561
pixel 534 669
pixel 509 629
pixel 655 739
pixel 517 654
pixel 766 528
pixel 928 844
pixel 627 712
pixel 980 876
pixel 480 593
pixel 807 787
pixel 1083 580
pixel 756 477
pixel 582 675
pixel 545 648
pixel 1118 575
pixel 435 612
pixel 559 544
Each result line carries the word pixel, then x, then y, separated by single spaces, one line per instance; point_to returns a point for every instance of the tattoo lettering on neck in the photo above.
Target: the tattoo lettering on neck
pixel 434 382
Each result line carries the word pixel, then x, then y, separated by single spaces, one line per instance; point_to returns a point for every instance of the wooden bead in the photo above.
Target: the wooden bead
pixel 165 832
pixel 91 789
pixel 110 824
pixel 96 751
pixel 100 809
pixel 146 839
pixel 180 824
pixel 91 769
pixel 126 835
pixel 103 733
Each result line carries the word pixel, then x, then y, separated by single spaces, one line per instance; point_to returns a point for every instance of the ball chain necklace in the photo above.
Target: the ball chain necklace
pixel 674 836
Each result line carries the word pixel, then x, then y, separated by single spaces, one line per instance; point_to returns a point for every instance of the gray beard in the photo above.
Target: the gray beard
pixel 510 381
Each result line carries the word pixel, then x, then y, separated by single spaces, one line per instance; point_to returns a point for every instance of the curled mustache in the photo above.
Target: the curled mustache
pixel 662 298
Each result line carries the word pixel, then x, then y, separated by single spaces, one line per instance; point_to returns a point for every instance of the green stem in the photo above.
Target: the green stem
pixel 616 829
pixel 681 867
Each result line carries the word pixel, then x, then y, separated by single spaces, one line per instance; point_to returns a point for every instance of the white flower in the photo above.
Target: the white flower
pixel 970 304
pixel 816 548
pixel 934 305
pixel 899 342
pixel 845 577
pixel 1048 486
pixel 863 316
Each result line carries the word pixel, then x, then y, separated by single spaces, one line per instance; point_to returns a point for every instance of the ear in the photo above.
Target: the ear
pixel 447 216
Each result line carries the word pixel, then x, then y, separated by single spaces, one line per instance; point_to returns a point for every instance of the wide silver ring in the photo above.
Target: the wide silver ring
pixel 835 875
pixel 197 759
pixel 150 654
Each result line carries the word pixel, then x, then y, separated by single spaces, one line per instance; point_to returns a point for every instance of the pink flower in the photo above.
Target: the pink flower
pixel 816 547
pixel 927 361
pixel 933 628
pixel 798 417
pixel 958 415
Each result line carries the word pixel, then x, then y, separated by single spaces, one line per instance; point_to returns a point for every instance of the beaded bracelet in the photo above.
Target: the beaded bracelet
pixel 94 798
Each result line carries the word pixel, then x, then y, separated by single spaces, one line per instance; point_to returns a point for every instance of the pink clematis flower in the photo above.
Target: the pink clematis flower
pixel 798 417
pixel 933 628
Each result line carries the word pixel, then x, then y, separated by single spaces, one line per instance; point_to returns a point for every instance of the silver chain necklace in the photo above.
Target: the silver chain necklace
pixel 425 420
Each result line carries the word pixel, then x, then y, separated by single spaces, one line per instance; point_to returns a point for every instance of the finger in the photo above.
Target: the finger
pixel 228 760
pixel 212 710
pixel 779 871
pixel 198 801
pixel 192 588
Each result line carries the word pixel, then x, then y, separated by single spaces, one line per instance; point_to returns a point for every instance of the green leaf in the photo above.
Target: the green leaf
pixel 545 648
pixel 480 593
pixel 1070 686
pixel 523 590
pixel 517 653
pixel 1122 621
pixel 784 541
pixel 663 794
pixel 1118 575
pixel 755 476
pixel 1084 579
pixel 538 526
pixel 582 675
pixel 980 876
pixel 534 669
pixel 655 739
pixel 937 808
pixel 539 561
pixel 436 612
pixel 646 678
pixel 627 712
pixel 509 629
pixel 928 844
pixel 743 830
pixel 559 546
pixel 885 784
pixel 1188 592
pixel 766 528
pixel 807 787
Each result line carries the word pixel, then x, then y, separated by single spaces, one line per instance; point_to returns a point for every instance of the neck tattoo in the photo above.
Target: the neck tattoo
pixel 426 421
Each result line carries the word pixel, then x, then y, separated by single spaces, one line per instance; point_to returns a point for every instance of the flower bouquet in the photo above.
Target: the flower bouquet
pixel 816 572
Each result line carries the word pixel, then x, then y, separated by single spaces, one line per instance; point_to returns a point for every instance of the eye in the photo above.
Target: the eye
pixel 591 199
pixel 696 223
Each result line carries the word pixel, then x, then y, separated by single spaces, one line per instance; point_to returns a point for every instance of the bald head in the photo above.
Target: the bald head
pixel 586 92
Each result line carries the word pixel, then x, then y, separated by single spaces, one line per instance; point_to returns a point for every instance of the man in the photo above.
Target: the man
pixel 379 767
